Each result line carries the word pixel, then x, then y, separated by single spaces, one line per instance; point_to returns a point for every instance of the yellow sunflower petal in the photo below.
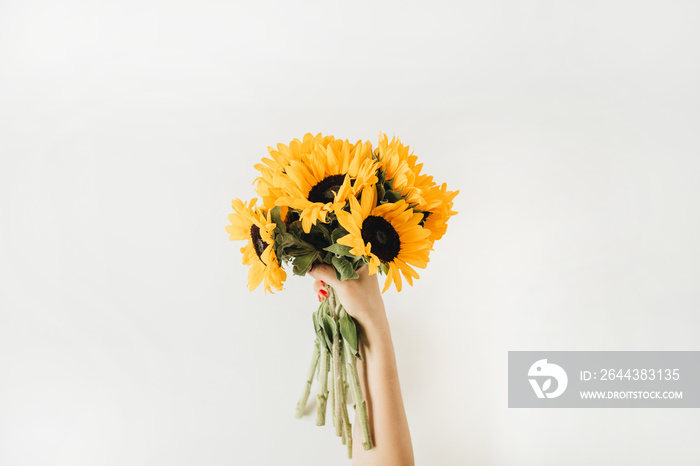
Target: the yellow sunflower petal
pixel 253 224
pixel 395 238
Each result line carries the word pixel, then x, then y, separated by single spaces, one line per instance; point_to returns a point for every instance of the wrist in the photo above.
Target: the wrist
pixel 371 314
pixel 375 330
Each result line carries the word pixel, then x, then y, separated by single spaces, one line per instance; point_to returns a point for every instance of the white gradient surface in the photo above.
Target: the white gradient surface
pixel 127 335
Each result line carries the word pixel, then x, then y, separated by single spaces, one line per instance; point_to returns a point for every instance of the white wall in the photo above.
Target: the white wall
pixel 127 335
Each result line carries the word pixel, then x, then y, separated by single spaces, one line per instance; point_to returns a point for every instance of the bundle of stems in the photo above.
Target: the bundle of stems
pixel 334 364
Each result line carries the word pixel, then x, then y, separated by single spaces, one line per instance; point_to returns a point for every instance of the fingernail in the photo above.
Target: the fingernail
pixel 324 293
pixel 323 283
pixel 320 299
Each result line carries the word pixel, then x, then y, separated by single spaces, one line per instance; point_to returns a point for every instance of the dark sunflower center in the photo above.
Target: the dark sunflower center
pixel 258 243
pixel 325 190
pixel 384 239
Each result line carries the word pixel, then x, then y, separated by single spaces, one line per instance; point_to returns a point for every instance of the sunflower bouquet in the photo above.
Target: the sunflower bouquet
pixel 326 200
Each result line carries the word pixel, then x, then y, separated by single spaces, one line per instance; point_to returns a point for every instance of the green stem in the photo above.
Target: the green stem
pixel 331 392
pixel 309 380
pixel 336 367
pixel 337 374
pixel 360 404
pixel 346 419
pixel 322 386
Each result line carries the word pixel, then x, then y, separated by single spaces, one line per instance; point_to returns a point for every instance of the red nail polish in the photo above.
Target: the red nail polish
pixel 324 293
pixel 323 283
pixel 320 299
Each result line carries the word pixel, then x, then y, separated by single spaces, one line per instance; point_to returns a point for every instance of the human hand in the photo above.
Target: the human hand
pixel 360 296
pixel 377 371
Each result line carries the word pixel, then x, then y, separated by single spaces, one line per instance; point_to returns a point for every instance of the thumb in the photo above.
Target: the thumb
pixel 325 273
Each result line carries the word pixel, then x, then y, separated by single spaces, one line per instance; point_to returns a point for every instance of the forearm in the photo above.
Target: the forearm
pixel 379 380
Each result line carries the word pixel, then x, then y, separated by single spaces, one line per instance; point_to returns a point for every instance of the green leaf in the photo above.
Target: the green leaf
pixel 339 250
pixel 286 240
pixel 329 325
pixel 349 332
pixel 383 268
pixel 337 234
pixel 318 327
pixel 296 251
pixel 392 196
pixel 329 329
pixel 277 218
pixel 343 268
pixel 314 317
pixel 279 253
pixel 293 245
pixel 302 264
pixel 296 228
pixel 327 258
pixel 358 262
pixel 380 192
pixel 320 227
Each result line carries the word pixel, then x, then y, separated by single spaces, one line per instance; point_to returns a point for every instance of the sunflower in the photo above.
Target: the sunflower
pixel 252 224
pixel 389 236
pixel 271 168
pixel 402 169
pixel 438 208
pixel 322 181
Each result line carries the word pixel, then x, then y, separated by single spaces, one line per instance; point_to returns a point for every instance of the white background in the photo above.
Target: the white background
pixel 127 335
